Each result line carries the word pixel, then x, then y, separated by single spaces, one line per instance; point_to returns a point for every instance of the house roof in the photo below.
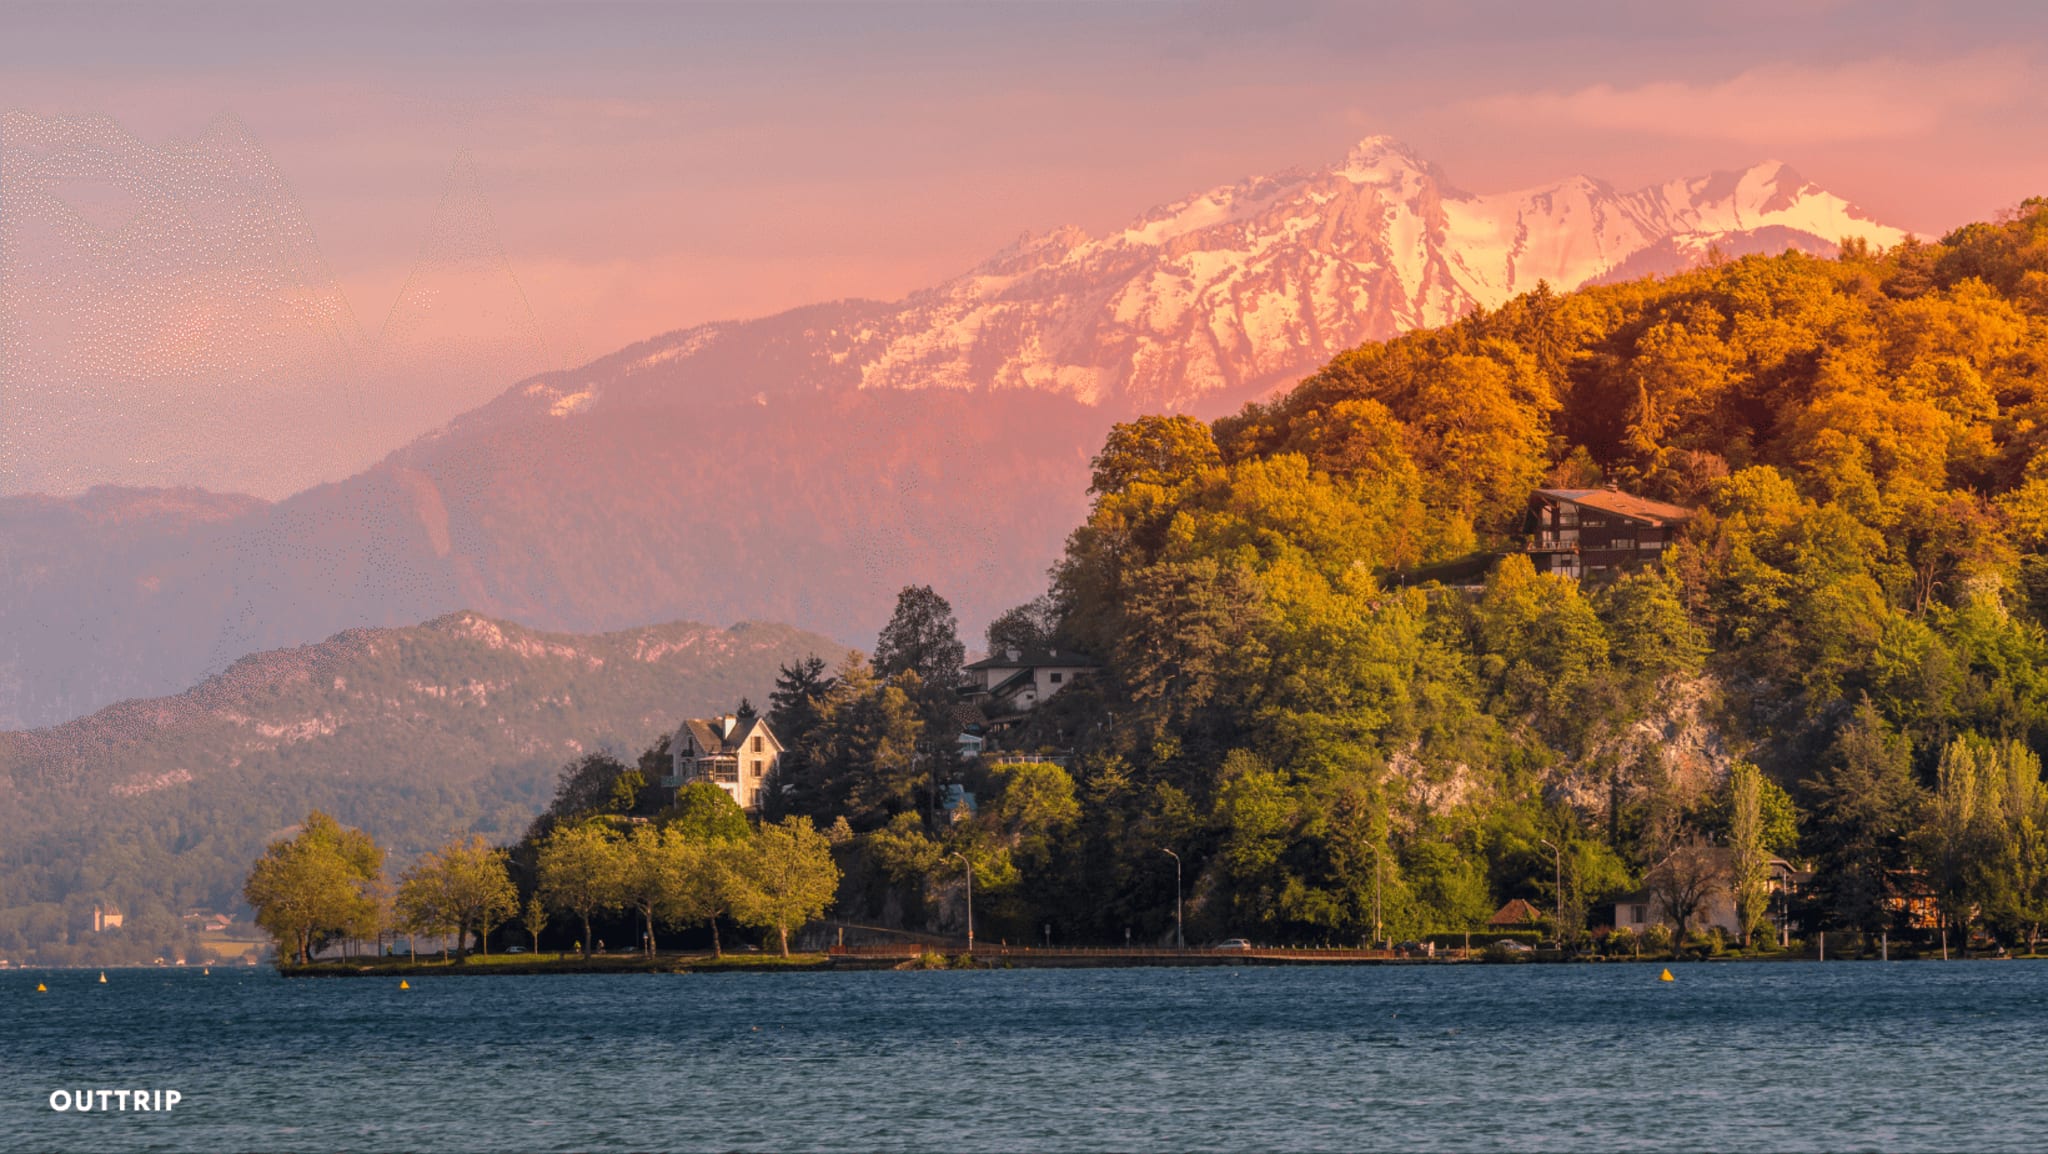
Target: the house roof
pixel 1036 659
pixel 1516 913
pixel 704 732
pixel 1014 683
pixel 1622 504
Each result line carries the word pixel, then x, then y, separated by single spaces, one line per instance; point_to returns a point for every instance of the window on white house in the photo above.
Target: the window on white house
pixel 760 770
pixel 757 744
pixel 1056 678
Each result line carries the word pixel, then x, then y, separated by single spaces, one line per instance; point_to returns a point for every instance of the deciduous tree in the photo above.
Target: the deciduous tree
pixel 788 878
pixel 579 868
pixel 462 886
pixel 314 884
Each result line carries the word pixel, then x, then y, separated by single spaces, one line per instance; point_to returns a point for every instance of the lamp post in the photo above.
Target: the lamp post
pixel 1557 856
pixel 1376 924
pixel 1179 941
pixel 1379 929
pixel 970 900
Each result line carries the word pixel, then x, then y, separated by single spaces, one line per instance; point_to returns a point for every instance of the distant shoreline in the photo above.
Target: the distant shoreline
pixel 993 959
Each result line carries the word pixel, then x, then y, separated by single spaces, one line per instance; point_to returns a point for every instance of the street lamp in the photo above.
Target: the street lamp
pixel 970 901
pixel 1378 930
pixel 1557 855
pixel 1179 941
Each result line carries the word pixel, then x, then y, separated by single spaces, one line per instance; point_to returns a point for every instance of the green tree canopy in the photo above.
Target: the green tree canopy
pixel 315 885
pixel 787 879
pixel 579 868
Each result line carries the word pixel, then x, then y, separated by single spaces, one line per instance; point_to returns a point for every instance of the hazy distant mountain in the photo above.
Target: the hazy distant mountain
pixel 167 318
pixel 416 734
pixel 803 467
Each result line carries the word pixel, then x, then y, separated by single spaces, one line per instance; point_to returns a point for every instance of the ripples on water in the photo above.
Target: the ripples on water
pixel 1858 1055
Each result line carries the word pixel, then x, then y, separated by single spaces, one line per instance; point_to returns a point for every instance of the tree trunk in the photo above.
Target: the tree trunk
pixel 717 950
pixel 784 931
pixel 586 935
pixel 649 911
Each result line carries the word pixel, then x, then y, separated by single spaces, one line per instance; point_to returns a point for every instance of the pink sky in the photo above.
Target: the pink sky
pixel 654 166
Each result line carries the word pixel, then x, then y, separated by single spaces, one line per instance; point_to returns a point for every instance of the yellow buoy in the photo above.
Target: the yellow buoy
pixel 103 977
pixel 404 985
pixel 41 988
pixel 1666 977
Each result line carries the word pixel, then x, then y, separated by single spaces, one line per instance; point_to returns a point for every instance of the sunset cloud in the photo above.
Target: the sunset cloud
pixel 1783 104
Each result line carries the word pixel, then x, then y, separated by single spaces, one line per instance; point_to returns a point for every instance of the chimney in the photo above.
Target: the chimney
pixel 1014 654
pixel 1614 486
pixel 726 722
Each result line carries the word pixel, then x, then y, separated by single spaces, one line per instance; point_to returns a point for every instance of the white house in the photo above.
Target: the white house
pixel 1018 679
pixel 1640 910
pixel 739 754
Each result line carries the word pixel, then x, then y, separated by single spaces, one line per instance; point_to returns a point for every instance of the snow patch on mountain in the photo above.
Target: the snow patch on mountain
pixel 1244 287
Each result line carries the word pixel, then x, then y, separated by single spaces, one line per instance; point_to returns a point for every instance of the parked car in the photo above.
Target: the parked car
pixel 1234 944
pixel 1510 945
pixel 515 949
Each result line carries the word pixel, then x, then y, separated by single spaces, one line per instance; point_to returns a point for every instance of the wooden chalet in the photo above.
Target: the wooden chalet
pixel 1578 532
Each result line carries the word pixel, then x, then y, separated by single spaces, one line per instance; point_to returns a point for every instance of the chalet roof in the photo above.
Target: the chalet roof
pixel 1014 682
pixel 1622 504
pixel 1516 913
pixel 705 732
pixel 1036 659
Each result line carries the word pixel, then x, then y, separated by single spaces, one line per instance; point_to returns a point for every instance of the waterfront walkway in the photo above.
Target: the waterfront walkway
pixel 1077 957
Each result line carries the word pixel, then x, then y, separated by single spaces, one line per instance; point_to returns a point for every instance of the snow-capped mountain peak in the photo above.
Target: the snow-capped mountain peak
pixel 1228 293
pixel 1250 285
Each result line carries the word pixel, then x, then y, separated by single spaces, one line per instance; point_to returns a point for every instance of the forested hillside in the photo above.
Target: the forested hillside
pixel 1857 609
pixel 457 726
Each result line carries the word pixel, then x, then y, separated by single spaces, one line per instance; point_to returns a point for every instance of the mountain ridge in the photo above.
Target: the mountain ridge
pixel 453 726
pixel 804 466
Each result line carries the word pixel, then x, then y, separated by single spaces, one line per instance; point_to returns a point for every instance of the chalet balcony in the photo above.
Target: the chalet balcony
pixel 725 770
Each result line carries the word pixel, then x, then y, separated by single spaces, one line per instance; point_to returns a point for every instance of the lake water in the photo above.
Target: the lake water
pixel 1838 1056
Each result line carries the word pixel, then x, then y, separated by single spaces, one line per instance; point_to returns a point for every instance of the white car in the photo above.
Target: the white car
pixel 1234 944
